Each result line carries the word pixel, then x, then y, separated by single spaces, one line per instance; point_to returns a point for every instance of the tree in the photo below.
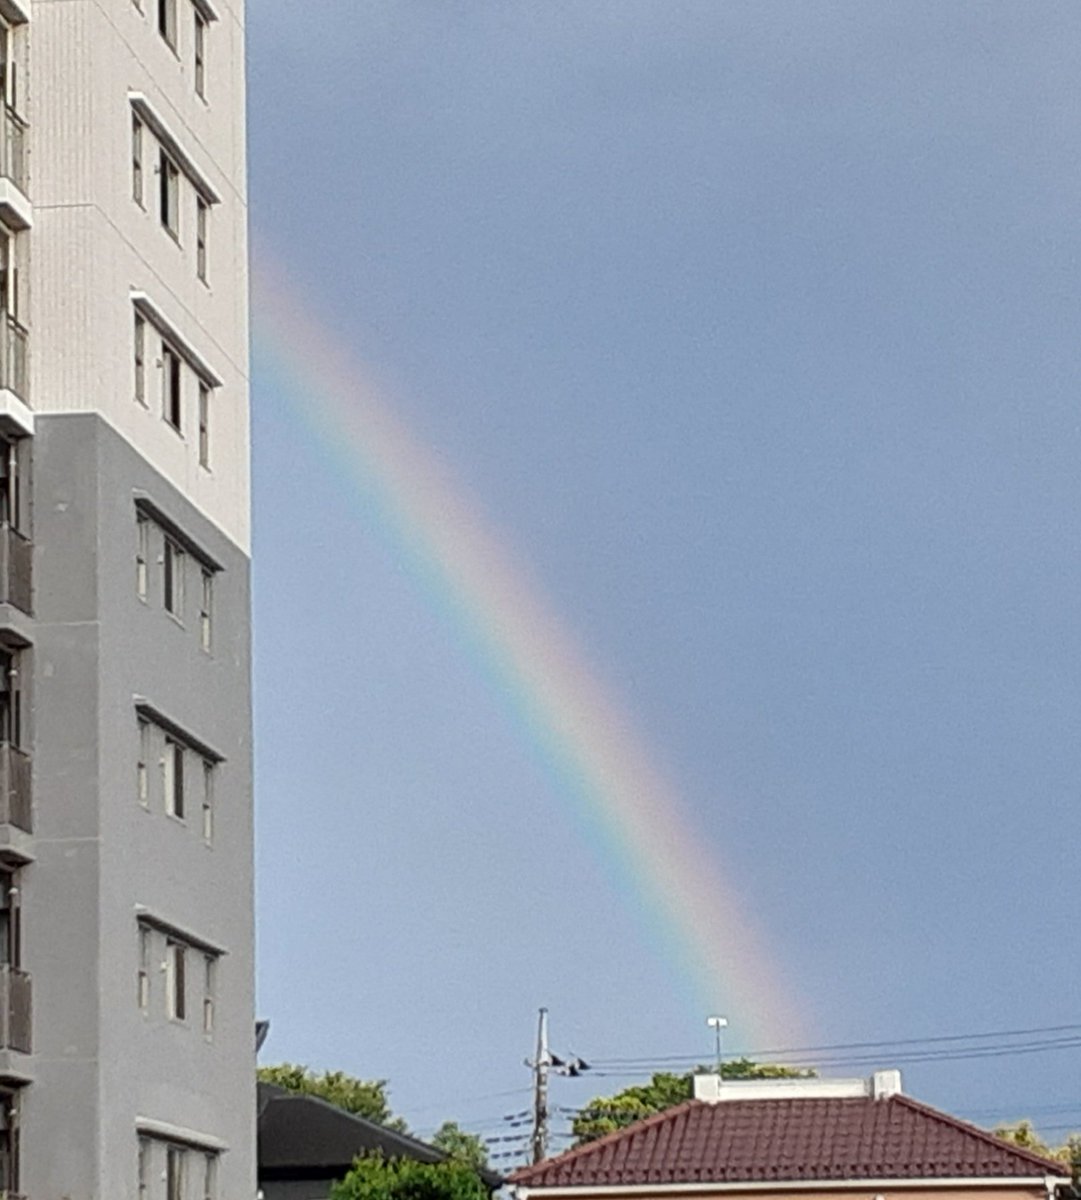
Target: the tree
pixel 375 1178
pixel 460 1146
pixel 1023 1134
pixel 364 1097
pixel 606 1114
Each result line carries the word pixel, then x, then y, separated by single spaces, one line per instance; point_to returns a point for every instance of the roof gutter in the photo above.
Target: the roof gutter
pixel 1049 1182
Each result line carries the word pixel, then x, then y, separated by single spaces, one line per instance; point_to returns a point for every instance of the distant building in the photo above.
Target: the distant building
pixel 795 1139
pixel 306 1144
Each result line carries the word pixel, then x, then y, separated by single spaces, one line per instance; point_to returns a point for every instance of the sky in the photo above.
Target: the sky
pixel 749 332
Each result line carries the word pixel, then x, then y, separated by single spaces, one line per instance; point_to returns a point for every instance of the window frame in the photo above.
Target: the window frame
pixel 142 770
pixel 139 356
pixel 10 697
pixel 208 801
pixel 201 27
pixel 142 975
pixel 143 1151
pixel 172 775
pixel 168 24
pixel 172 387
pixel 210 1175
pixel 138 145
pixel 176 987
pixel 210 980
pixel 204 423
pixel 202 223
pixel 206 611
pixel 174 558
pixel 142 556
pixel 169 193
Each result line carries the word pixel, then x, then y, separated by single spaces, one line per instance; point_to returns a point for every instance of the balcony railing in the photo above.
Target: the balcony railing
pixel 16 569
pixel 15 1009
pixel 16 807
pixel 13 358
pixel 13 148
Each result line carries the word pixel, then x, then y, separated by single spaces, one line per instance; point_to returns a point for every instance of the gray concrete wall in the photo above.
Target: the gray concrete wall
pixel 101 1064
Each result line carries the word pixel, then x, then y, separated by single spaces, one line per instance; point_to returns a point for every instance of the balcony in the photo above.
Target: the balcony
pixel 15 208
pixel 15 795
pixel 13 149
pixel 16 570
pixel 14 376
pixel 15 1009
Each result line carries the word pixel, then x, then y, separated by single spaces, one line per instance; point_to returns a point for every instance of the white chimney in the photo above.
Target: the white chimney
pixel 714 1090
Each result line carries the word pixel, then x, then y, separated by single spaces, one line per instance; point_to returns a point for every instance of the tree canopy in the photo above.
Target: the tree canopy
pixel 364 1097
pixel 460 1146
pixel 375 1178
pixel 606 1114
pixel 1023 1134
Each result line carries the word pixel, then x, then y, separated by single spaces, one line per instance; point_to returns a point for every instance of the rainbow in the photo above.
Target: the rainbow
pixel 667 874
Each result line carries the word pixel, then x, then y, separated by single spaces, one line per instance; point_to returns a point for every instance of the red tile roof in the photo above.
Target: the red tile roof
pixel 788 1140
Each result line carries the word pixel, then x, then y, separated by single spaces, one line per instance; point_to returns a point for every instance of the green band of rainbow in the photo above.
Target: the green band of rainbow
pixel 669 877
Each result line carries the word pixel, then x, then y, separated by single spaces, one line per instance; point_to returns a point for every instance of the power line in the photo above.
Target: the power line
pixel 788 1051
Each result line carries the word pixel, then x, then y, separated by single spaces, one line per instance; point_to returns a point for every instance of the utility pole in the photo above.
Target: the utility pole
pixel 540 1067
pixel 717 1024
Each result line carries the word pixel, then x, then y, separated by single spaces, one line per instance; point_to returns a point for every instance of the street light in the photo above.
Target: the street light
pixel 717 1024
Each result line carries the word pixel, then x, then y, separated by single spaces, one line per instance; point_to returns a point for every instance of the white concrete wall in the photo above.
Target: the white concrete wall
pixel 92 245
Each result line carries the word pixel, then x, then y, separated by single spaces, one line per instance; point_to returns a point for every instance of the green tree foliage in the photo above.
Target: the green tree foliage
pixel 375 1178
pixel 606 1114
pixel 365 1097
pixel 460 1146
pixel 1023 1134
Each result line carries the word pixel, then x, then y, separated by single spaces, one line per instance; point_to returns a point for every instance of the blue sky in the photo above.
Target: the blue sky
pixel 754 328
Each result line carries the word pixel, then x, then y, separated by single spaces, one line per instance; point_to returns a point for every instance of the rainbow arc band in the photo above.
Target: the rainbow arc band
pixel 638 824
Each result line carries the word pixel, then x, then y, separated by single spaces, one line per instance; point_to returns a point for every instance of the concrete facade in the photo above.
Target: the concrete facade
pixel 126 950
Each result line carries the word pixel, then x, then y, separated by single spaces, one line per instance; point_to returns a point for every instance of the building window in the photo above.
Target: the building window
pixel 10 698
pixel 175 990
pixel 200 55
pixel 210 1177
pixel 9 93
pixel 208 801
pixel 209 970
pixel 10 484
pixel 142 556
pixel 9 282
pixel 137 160
pixel 9 1142
pixel 167 21
pixel 169 184
pixel 206 610
pixel 142 781
pixel 143 1169
pixel 204 425
pixel 142 982
pixel 202 211
pixel 140 360
pixel 173 578
pixel 171 398
pixel 173 778
pixel 10 951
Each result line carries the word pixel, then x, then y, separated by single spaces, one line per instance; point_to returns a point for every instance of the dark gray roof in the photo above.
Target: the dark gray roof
pixel 304 1137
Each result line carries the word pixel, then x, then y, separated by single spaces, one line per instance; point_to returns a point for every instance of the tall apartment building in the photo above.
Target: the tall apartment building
pixel 126 1007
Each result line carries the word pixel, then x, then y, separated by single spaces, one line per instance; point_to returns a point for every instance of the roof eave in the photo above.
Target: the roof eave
pixel 1048 1182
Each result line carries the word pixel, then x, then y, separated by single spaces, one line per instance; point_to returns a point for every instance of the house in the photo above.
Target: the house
pixel 306 1144
pixel 796 1139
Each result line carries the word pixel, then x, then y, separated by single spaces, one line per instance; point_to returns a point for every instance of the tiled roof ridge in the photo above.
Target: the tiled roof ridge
pixel 1051 1166
pixel 598 1144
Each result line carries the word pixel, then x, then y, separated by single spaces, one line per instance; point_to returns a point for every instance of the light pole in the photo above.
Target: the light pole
pixel 717 1024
